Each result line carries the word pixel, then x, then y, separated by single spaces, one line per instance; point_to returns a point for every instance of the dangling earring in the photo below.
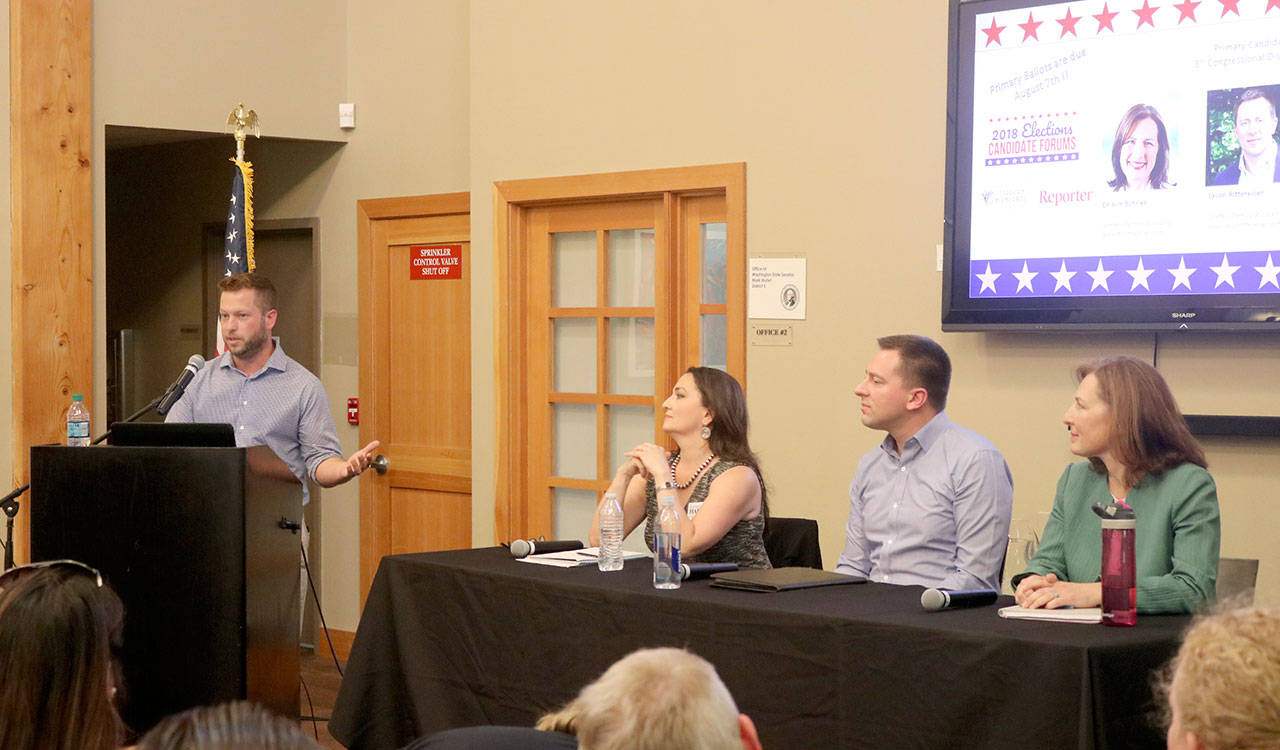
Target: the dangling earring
pixel 706 432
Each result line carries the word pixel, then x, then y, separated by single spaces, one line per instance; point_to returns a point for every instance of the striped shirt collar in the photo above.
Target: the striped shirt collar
pixel 925 437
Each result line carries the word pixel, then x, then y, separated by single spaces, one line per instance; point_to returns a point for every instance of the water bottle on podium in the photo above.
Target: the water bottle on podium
pixel 610 533
pixel 666 543
pixel 77 422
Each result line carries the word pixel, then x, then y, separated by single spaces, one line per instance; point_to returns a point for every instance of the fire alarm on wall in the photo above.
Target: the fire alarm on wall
pixel 353 411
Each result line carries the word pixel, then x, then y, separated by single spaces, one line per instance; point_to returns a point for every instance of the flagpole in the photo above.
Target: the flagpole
pixel 243 120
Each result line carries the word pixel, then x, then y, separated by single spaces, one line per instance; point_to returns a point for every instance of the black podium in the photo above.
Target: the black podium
pixel 192 540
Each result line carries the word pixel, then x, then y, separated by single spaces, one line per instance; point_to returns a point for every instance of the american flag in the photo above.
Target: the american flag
pixel 238 247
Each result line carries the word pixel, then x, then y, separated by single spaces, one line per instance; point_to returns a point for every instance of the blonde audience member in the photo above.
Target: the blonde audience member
pixel 1223 688
pixel 661 699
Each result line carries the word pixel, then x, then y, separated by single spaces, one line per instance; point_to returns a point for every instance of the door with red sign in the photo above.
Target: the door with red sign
pixel 415 375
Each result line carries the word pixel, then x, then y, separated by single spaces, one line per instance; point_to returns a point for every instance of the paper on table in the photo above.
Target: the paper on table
pixel 575 558
pixel 1088 615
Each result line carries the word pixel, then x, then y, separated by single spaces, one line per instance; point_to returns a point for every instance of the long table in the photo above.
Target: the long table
pixel 471 637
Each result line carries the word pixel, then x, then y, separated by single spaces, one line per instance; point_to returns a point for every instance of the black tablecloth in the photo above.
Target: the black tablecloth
pixel 472 637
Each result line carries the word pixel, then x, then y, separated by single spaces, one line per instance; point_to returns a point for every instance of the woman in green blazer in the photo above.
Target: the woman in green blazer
pixel 1141 454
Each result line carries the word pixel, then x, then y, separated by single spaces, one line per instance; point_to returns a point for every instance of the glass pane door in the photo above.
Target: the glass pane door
pixel 602 313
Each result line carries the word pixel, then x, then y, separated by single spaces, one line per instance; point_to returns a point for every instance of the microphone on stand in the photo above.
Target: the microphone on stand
pixel 522 548
pixel 935 600
pixel 179 386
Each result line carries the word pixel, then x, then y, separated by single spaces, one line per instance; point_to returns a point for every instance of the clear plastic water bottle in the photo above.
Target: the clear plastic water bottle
pixel 666 543
pixel 610 533
pixel 77 422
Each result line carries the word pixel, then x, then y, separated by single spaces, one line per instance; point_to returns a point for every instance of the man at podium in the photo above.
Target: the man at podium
pixel 267 397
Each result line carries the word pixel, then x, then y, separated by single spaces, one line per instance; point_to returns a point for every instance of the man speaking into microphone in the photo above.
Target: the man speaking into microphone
pixel 268 398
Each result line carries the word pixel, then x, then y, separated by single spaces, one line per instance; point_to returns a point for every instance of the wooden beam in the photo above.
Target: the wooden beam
pixel 51 141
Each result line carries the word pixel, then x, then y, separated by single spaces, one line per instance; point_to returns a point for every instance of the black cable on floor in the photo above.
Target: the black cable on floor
pixel 315 726
pixel 312 583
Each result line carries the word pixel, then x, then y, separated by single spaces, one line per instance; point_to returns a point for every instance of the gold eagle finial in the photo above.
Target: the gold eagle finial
pixel 244 121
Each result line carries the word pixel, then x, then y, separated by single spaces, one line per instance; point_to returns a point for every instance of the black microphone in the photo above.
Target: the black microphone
pixel 179 386
pixel 521 548
pixel 939 599
pixel 694 571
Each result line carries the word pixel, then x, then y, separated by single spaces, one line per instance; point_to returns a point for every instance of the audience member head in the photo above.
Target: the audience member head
pixel 1223 689
pixel 240 725
pixel 60 631
pixel 661 699
pixel 722 395
pixel 1147 432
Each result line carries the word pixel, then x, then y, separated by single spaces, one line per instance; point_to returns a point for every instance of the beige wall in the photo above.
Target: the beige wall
pixel 838 110
pixel 185 64
pixel 407 77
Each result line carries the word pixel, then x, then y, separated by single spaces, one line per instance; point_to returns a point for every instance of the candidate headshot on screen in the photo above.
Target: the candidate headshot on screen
pixel 1140 152
pixel 1254 125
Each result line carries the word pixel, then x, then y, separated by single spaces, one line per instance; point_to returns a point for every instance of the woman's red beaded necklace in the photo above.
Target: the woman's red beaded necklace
pixel 675 461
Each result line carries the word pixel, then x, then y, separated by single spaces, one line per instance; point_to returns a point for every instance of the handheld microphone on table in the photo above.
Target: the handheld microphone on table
pixel 935 600
pixel 176 390
pixel 694 571
pixel 523 548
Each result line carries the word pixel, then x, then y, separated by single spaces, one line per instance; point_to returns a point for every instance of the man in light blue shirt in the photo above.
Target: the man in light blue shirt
pixel 930 506
pixel 268 398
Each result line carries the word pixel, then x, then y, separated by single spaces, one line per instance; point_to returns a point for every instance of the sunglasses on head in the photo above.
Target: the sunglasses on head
pixel 14 572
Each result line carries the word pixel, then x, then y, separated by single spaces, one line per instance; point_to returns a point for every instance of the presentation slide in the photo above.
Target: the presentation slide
pixel 1126 148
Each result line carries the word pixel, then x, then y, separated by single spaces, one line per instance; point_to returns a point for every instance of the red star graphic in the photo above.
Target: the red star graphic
pixel 1069 24
pixel 1230 5
pixel 1029 28
pixel 1187 9
pixel 1145 14
pixel 1105 19
pixel 1272 4
pixel 993 33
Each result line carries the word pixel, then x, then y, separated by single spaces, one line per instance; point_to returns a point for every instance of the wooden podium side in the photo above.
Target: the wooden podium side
pixel 191 539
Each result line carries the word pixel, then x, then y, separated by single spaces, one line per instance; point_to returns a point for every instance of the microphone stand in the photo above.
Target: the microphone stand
pixel 132 417
pixel 10 505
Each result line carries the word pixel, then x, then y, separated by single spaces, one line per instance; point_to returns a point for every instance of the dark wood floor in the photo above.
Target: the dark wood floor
pixel 322 680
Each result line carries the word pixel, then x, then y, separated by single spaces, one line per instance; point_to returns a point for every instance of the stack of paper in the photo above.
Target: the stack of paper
pixel 575 558
pixel 1066 614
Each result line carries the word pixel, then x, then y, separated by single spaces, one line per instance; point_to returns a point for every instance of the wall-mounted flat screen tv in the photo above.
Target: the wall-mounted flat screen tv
pixel 1112 164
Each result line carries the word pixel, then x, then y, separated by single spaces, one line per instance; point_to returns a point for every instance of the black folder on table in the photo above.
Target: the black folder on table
pixel 780 579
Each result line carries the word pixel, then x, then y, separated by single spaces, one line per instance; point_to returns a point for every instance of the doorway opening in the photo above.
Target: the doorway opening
pixel 166 205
